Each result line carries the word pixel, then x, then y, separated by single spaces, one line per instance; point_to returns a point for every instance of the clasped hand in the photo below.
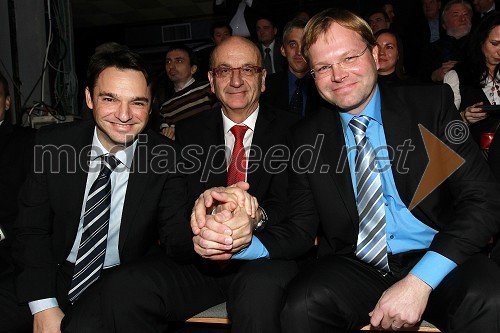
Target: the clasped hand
pixel 220 235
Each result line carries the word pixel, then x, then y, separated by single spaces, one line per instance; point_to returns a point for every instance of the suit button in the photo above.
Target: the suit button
pixel 391 236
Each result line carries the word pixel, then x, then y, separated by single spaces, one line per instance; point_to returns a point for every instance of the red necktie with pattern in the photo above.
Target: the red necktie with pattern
pixel 237 166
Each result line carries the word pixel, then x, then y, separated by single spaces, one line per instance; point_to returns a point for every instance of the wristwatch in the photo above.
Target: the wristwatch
pixel 263 221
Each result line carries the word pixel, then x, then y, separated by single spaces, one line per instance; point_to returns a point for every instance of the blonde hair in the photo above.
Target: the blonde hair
pixel 320 23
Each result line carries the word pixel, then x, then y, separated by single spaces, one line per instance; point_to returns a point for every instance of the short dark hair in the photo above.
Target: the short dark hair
pixel 119 57
pixel 4 84
pixel 379 11
pixel 220 24
pixel 400 70
pixel 193 59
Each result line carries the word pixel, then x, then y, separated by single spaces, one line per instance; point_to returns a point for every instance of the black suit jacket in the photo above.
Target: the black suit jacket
pixel 52 197
pixel 464 208
pixel 278 96
pixel 16 145
pixel 202 138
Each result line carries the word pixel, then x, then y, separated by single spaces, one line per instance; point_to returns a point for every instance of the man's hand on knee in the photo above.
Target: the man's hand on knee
pixel 48 321
pixel 402 305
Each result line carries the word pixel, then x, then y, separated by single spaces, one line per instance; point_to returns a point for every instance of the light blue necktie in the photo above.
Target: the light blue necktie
pixel 371 246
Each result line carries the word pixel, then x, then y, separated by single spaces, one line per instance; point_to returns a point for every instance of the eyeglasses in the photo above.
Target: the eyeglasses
pixel 247 70
pixel 346 63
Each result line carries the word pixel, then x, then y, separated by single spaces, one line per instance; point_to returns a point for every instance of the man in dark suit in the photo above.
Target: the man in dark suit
pixel 269 45
pixel 381 260
pixel 253 288
pixel 16 145
pixel 292 90
pixel 141 203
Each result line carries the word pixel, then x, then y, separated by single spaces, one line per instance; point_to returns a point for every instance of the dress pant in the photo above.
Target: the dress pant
pixel 336 293
pixel 146 296
pixel 84 316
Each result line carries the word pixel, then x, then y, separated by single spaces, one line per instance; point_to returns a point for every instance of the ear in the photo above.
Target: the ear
pixel 88 99
pixel 211 79
pixel 194 68
pixel 282 49
pixel 7 103
pixel 375 56
pixel 263 82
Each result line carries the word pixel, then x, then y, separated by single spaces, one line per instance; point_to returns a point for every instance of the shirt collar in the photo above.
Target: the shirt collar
pixel 125 156
pixel 372 110
pixel 190 82
pixel 271 46
pixel 1 122
pixel 249 122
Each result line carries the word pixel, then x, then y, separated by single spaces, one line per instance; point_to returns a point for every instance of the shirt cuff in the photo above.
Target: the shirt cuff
pixel 433 268
pixel 42 304
pixel 255 250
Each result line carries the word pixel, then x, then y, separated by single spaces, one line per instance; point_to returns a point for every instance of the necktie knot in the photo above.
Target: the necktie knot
pixel 358 125
pixel 299 83
pixel 239 132
pixel 110 161
pixel 267 50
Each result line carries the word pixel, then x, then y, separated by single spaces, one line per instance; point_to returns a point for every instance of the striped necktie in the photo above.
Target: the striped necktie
pixel 371 246
pixel 90 257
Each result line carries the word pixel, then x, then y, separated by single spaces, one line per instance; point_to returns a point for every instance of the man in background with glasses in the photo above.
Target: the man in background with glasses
pixel 225 146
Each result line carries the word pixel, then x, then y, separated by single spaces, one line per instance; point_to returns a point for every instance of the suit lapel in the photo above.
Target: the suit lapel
pixel 213 140
pixel 136 186
pixel 260 145
pixel 335 155
pixel 397 129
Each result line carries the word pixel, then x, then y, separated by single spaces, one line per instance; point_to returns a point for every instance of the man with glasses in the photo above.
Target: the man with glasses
pixel 384 258
pixel 234 143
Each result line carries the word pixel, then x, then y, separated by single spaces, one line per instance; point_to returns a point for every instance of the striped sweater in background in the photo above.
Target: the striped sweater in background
pixel 190 100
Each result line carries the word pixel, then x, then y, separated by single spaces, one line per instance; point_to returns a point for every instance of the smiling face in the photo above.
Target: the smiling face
pixel 238 94
pixel 388 53
pixel 291 50
pixel 352 88
pixel 491 49
pixel 121 104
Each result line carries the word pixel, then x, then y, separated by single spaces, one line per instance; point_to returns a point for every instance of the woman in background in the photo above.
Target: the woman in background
pixel 476 82
pixel 390 57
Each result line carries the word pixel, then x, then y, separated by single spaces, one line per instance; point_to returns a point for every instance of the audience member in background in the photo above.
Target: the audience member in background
pixel 388 8
pixel 442 55
pixel 433 29
pixel 476 82
pixel 190 96
pixel 241 15
pixel 294 89
pixel 253 289
pixel 101 194
pixel 219 31
pixel 269 46
pixel 16 155
pixel 481 9
pixel 378 20
pixel 390 57
pixel 302 15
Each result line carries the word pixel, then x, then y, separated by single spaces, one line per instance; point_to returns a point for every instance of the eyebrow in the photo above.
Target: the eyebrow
pixel 115 96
